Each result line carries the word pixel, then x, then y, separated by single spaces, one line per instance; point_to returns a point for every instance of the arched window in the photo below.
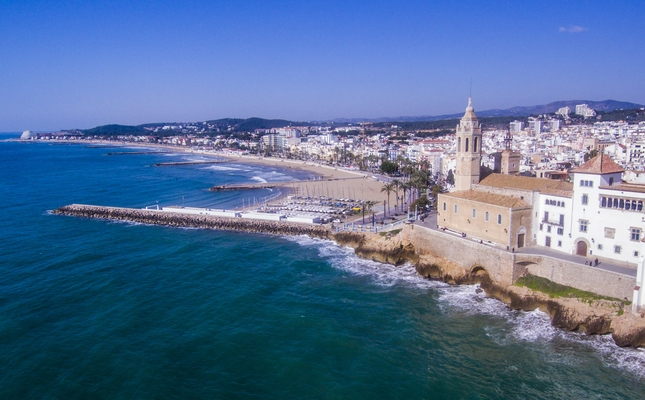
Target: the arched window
pixel 444 206
pixel 466 150
pixel 475 145
pixel 455 209
pixel 458 144
pixel 486 216
pixel 499 219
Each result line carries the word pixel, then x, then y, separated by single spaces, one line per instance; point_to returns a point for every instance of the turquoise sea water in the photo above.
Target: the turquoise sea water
pixel 96 309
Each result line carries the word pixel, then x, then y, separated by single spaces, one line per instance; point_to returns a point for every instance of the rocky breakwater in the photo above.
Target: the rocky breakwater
pixel 573 314
pixel 155 217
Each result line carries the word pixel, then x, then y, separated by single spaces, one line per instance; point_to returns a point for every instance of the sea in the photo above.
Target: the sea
pixel 93 309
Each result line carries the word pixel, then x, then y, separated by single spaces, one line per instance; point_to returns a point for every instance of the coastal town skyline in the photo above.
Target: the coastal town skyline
pixel 78 66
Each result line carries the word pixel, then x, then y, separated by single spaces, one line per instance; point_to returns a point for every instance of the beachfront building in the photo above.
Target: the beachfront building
pixel 608 214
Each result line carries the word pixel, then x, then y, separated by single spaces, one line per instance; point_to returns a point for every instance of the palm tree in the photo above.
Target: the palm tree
pixel 368 205
pixel 387 188
pixel 397 185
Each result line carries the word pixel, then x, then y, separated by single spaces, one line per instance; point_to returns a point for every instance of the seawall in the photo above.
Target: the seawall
pixel 456 261
pixel 155 217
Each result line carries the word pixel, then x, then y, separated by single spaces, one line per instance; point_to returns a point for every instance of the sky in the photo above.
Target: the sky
pixel 80 64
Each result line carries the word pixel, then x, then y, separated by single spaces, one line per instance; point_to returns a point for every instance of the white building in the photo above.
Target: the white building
pixel 585 111
pixel 608 214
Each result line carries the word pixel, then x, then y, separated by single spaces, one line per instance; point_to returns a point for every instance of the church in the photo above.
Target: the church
pixel 594 215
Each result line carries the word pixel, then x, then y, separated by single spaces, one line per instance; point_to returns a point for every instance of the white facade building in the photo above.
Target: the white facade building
pixel 608 215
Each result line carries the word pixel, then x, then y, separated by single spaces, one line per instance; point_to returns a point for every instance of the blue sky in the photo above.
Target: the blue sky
pixel 79 64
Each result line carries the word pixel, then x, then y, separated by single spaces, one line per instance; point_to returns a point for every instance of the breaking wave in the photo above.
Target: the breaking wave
pixel 517 326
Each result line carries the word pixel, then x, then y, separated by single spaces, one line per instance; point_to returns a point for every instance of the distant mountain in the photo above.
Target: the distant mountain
pixel 218 125
pixel 251 124
pixel 605 105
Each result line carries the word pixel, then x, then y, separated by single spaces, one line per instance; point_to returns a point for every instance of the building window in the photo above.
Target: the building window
pixel 541 226
pixel 499 219
pixel 444 206
pixel 546 216
pixel 458 144
pixel 636 234
pixel 617 249
pixel 583 225
pixel 561 222
pixel 466 145
pixel 474 213
pixel 455 209
pixel 611 181
pixel 547 241
pixel 610 233
pixel 599 246
pixel 486 216
pixel 548 228
pixel 475 145
pixel 559 243
pixel 636 254
pixel 585 199
pixel 560 231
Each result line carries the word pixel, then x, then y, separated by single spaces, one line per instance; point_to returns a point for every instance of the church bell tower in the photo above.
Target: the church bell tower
pixel 469 152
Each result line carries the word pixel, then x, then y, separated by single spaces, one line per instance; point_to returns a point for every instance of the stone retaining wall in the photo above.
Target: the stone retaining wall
pixel 505 267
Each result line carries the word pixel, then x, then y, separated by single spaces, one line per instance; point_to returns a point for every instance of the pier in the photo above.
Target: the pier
pixel 169 164
pixel 184 220
pixel 247 186
pixel 130 153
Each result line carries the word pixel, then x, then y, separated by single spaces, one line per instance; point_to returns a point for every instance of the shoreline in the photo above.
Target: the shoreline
pixel 572 314
pixel 336 182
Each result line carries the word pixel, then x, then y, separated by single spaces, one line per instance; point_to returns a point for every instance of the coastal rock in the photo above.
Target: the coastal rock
pixel 629 330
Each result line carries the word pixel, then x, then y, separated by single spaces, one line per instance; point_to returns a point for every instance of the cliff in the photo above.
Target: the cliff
pixel 573 314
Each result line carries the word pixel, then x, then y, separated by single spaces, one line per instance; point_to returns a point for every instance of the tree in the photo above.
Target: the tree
pixel 388 188
pixel 450 179
pixel 591 154
pixel 388 167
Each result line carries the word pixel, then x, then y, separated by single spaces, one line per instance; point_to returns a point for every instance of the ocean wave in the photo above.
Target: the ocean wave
pixel 220 168
pixel 387 275
pixel 520 326
pixel 258 179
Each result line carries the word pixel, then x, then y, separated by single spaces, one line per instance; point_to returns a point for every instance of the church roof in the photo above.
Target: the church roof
pixel 470 112
pixel 489 198
pixel 502 181
pixel 600 164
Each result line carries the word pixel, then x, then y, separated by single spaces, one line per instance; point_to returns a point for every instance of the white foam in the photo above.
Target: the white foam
pixel 258 179
pixel 525 326
pixel 220 168
pixel 387 275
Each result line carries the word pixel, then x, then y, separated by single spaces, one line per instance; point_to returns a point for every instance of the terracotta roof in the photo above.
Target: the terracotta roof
pixel 502 181
pixel 488 198
pixel 600 164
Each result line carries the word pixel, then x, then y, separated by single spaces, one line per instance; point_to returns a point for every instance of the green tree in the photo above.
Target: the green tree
pixel 591 154
pixel 388 188
pixel 388 167
pixel 450 179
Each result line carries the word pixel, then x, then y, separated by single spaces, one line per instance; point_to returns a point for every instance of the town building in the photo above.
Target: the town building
pixel 595 215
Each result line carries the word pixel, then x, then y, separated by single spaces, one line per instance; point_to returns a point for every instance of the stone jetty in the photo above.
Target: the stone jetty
pixel 158 217
pixel 247 186
pixel 133 153
pixel 169 164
